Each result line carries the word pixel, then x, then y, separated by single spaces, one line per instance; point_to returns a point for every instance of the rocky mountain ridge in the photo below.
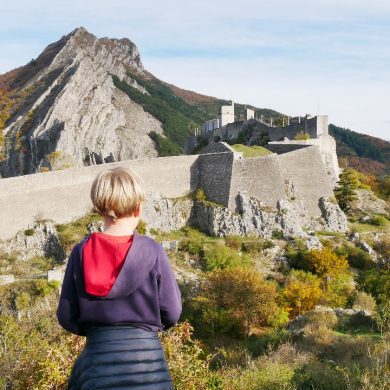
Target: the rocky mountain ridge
pixel 70 113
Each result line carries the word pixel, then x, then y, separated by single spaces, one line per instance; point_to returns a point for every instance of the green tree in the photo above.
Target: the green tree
pixel 345 192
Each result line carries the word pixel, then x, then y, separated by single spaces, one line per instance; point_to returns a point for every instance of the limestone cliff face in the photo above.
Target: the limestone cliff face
pixel 73 115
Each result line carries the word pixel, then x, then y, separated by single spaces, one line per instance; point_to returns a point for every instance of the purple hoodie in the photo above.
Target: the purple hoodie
pixel 145 293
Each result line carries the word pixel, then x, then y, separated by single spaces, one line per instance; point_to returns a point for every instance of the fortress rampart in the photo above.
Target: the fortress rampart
pixel 64 195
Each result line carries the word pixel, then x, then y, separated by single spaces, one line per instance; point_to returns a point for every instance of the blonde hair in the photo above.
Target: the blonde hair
pixel 117 192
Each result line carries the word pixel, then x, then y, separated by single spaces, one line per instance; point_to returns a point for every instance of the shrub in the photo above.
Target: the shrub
pixel 237 301
pixel 220 256
pixel 255 246
pixel 296 253
pixel 193 243
pixel 357 257
pixel 301 291
pixel 379 220
pixel 187 362
pixel 234 242
pixel 316 319
pixel 383 248
pixel 200 195
pixel 382 317
pixel 320 375
pixel 274 370
pixel 301 135
pixel 337 289
pixel 377 283
pixel 29 232
pixel 359 319
pixel 364 301
pixel 278 235
pixel 325 262
pixel 142 227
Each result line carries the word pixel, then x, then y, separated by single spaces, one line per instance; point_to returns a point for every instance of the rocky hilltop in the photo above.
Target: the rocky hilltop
pixel 69 112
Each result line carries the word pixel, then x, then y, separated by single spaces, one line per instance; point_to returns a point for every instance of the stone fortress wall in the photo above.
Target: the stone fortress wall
pixel 63 196
pixel 296 175
pixel 313 126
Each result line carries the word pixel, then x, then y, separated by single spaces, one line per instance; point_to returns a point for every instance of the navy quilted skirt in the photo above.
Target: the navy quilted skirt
pixel 121 357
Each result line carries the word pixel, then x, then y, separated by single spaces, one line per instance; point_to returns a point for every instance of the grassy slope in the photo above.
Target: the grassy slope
pixel 251 151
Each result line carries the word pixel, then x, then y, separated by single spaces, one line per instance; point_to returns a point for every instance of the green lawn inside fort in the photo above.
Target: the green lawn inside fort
pixel 251 151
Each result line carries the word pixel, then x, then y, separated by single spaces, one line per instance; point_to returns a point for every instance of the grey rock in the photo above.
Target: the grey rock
pixel 166 214
pixel 172 245
pixel 354 237
pixel 253 219
pixel 41 240
pixel 55 275
pixel 95 227
pixel 368 203
pixel 6 279
pixel 367 248
pixel 334 218
pixel 313 242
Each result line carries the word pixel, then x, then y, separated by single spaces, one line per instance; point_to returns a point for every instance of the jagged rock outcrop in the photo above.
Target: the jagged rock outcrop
pixel 368 203
pixel 166 214
pixel 40 239
pixel 73 114
pixel 253 218
pixel 334 218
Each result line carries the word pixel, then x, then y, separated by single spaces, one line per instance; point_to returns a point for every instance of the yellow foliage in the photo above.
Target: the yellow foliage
pixel 301 292
pixel 325 262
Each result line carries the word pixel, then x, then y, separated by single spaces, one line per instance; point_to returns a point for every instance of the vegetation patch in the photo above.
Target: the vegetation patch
pixel 251 151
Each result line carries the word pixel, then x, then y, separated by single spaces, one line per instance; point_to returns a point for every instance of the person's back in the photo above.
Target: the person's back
pixel 119 290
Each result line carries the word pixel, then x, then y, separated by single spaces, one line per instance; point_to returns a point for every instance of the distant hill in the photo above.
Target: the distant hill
pixel 361 151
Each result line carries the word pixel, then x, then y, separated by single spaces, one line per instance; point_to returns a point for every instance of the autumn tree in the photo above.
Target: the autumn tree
pixel 337 289
pixel 324 262
pixel 345 191
pixel 238 300
pixel 302 291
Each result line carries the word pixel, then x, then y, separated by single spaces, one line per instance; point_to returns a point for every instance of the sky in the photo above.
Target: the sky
pixel 294 56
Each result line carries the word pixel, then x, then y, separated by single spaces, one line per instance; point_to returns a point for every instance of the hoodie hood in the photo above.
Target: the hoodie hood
pixel 114 267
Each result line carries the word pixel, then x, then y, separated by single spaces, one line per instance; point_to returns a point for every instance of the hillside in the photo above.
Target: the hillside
pixel 362 152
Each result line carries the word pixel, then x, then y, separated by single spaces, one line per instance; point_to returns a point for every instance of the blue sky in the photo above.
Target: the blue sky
pixel 294 56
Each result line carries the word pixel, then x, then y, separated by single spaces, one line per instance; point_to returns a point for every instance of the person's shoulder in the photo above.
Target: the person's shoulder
pixel 150 245
pixel 147 240
pixel 78 246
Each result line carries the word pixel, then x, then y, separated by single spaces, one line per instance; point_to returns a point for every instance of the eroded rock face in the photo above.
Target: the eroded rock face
pixel 77 112
pixel 253 219
pixel 40 239
pixel 334 218
pixel 367 202
pixel 166 214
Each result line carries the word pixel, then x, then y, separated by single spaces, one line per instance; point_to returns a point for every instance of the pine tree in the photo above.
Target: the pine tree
pixel 345 192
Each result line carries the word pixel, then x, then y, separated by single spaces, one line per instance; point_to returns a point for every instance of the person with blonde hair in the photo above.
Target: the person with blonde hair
pixel 119 290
